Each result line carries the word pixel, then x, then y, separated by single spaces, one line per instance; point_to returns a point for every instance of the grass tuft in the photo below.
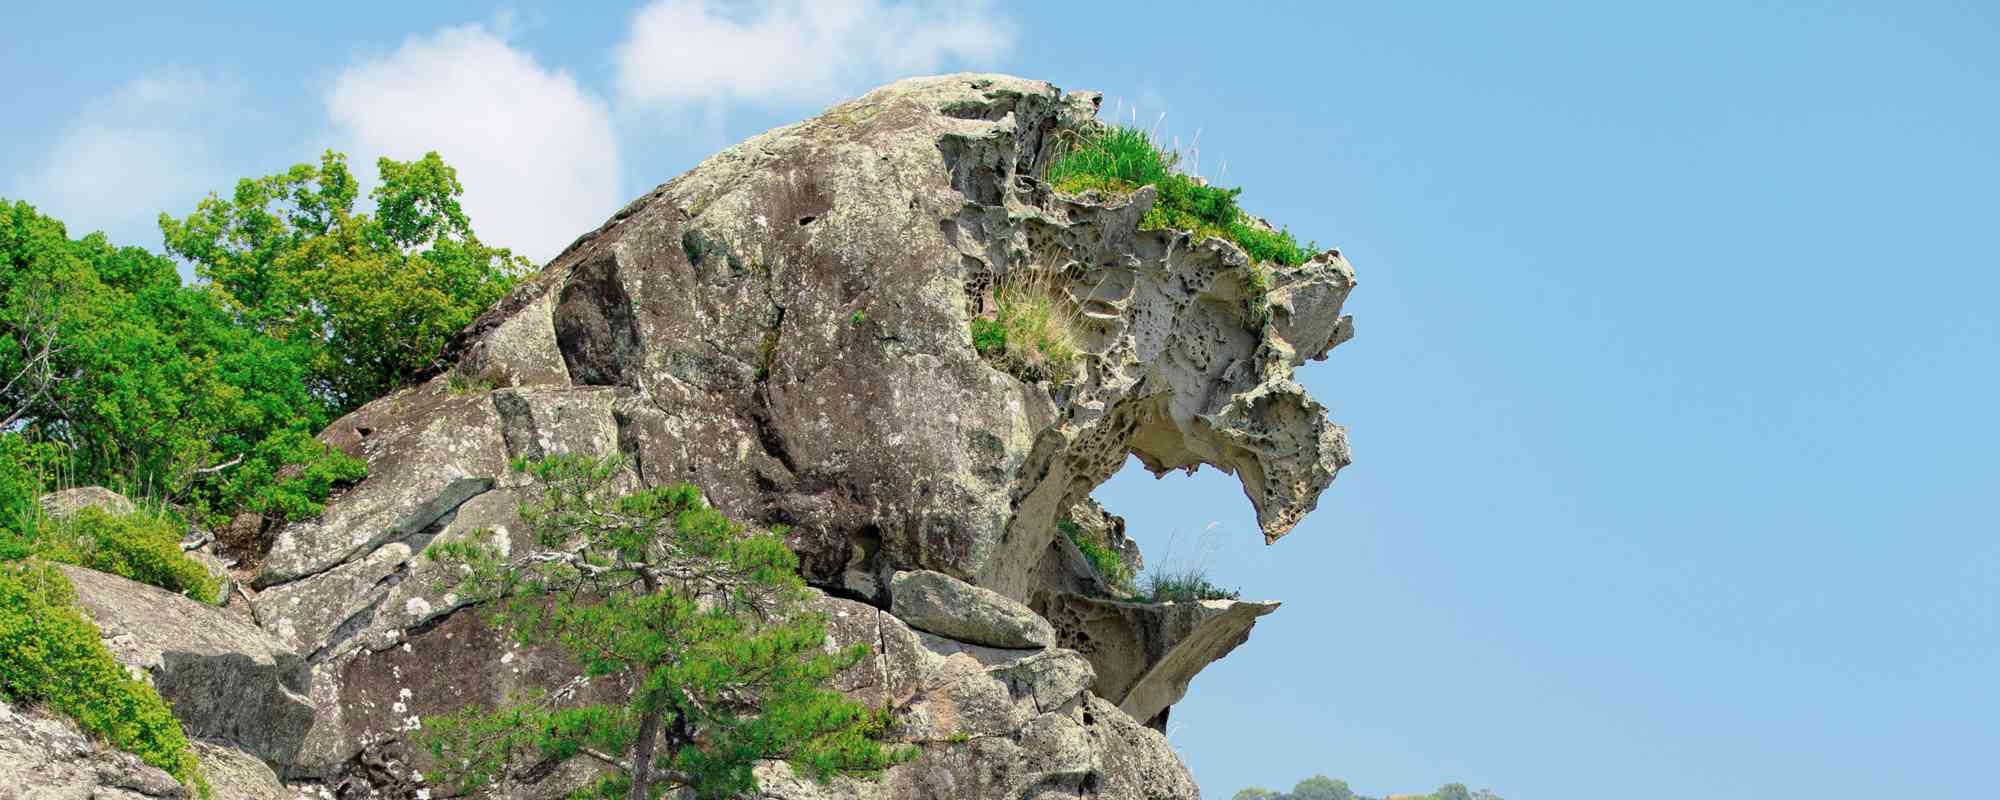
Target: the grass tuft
pixel 1033 331
pixel 1184 586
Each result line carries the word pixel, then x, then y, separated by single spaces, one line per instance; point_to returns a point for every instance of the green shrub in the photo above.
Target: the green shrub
pixel 1105 561
pixel 1033 330
pixel 1117 160
pixel 51 654
pixel 143 545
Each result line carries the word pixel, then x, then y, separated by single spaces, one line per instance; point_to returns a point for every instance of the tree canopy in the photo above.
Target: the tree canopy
pixel 113 371
pixel 1321 787
pixel 372 298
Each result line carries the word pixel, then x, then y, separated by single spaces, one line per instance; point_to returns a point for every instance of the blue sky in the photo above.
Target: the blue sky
pixel 1673 399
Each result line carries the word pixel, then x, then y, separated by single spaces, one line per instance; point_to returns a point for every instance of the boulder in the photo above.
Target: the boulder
pixel 70 501
pixel 235 775
pixel 944 605
pixel 43 757
pixel 227 679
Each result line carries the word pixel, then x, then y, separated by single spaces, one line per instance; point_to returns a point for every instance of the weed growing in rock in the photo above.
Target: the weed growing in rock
pixel 51 654
pixel 459 383
pixel 1182 579
pixel 1103 560
pixel 1180 586
pixel 705 622
pixel 1032 333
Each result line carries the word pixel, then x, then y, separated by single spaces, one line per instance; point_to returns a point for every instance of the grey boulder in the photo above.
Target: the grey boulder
pixel 947 606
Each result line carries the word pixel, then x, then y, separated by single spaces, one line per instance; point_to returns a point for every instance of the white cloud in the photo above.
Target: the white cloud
pixel 771 52
pixel 134 153
pixel 535 151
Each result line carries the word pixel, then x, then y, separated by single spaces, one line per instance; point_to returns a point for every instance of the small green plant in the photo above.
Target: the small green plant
pixel 143 545
pixel 1032 333
pixel 53 655
pixel 859 317
pixel 960 737
pixel 1105 561
pixel 1178 577
pixel 459 383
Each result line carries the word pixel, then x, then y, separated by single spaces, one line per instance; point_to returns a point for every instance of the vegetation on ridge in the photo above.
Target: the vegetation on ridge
pixel 51 654
pixel 143 545
pixel 115 372
pixel 1118 159
pixel 201 400
pixel 727 666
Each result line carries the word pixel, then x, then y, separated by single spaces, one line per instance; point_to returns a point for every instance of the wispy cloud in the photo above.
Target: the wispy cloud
pixel 536 151
pixel 682 53
pixel 143 149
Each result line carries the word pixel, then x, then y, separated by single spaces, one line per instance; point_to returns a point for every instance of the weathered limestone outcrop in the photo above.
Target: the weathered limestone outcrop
pixel 786 326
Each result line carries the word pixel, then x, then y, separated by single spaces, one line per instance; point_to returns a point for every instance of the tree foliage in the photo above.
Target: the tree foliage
pixel 1321 787
pixel 117 374
pixel 373 297
pixel 705 622
pixel 208 395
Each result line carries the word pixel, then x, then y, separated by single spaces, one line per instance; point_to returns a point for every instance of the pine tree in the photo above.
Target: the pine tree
pixel 705 622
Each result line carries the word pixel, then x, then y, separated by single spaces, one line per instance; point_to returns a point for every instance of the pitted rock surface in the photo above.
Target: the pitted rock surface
pixel 786 327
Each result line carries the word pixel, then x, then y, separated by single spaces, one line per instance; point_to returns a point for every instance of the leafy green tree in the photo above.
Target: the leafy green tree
pixel 117 374
pixel 1452 791
pixel 1321 787
pixel 373 297
pixel 704 621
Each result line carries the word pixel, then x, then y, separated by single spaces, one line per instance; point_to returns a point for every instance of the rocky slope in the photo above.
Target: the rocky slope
pixel 786 326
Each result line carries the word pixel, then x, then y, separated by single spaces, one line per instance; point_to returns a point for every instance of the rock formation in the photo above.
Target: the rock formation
pixel 786 327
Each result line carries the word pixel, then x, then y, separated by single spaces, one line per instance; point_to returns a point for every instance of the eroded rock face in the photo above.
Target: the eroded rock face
pixel 786 327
